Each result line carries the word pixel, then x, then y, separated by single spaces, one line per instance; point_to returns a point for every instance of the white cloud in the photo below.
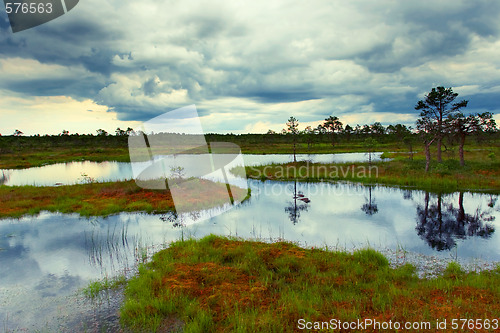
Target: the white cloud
pixel 18 69
pixel 132 91
pixel 497 118
pixel 53 114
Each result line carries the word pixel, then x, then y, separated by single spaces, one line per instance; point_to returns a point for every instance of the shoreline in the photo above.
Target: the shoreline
pixel 102 313
pixel 296 275
pixel 428 266
pixel 104 199
pixel 481 177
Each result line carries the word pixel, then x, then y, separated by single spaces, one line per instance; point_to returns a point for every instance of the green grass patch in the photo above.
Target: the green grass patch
pixel 449 176
pixel 219 284
pixel 25 152
pixel 103 199
pixel 96 288
pixel 35 156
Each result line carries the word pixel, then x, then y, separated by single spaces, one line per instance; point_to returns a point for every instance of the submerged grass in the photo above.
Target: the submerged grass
pixel 218 284
pixel 97 287
pixel 103 199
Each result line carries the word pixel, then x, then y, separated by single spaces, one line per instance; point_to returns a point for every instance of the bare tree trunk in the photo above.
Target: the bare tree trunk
pixel 294 150
pixel 440 133
pixel 427 156
pixel 427 145
pixel 461 149
pixel 438 156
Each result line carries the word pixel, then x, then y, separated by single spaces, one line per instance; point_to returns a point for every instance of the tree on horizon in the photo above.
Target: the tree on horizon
pixel 292 127
pixel 436 109
pixel 332 125
pixel 463 126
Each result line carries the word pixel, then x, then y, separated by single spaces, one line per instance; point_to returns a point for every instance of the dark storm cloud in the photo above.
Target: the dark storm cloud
pixel 58 42
pixel 142 114
pixel 429 33
pixel 484 102
pixel 87 43
pixel 71 43
pixel 425 46
pixel 78 31
pixel 280 96
pixel 141 59
pixel 397 103
pixel 4 23
pixel 478 17
pixel 48 87
pixel 99 61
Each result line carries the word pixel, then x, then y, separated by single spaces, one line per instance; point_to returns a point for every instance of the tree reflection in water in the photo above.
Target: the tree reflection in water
pixel 4 178
pixel 493 201
pixel 408 194
pixel 170 217
pixel 299 203
pixel 440 223
pixel 186 218
pixel 370 207
pixel 174 218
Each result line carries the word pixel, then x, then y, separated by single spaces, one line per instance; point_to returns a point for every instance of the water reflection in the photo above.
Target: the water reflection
pixel 370 207
pixel 180 220
pixel 111 245
pixel 45 259
pixel 78 172
pixel 173 218
pixel 407 194
pixel 440 224
pixel 298 204
pixel 69 173
pixel 4 177
pixel 493 201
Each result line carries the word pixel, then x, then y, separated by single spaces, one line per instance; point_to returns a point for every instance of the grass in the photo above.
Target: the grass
pixel 218 284
pixel 317 148
pixel 479 174
pixel 97 287
pixel 103 199
pixel 20 156
pixel 27 158
pixel 25 152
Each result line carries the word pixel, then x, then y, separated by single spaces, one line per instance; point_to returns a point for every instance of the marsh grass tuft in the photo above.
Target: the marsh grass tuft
pixel 219 284
pixel 96 288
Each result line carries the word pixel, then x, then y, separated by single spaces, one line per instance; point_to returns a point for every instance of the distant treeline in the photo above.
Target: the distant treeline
pixel 12 142
pixel 392 133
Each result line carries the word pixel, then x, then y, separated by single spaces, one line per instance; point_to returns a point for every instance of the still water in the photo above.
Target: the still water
pixel 78 172
pixel 46 259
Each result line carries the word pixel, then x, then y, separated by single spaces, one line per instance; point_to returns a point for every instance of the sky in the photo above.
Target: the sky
pixel 247 66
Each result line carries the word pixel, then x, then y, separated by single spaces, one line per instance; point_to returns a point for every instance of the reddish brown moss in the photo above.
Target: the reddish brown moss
pixel 278 284
pixel 103 198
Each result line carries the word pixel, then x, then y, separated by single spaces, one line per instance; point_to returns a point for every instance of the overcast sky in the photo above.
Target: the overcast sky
pixel 246 65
